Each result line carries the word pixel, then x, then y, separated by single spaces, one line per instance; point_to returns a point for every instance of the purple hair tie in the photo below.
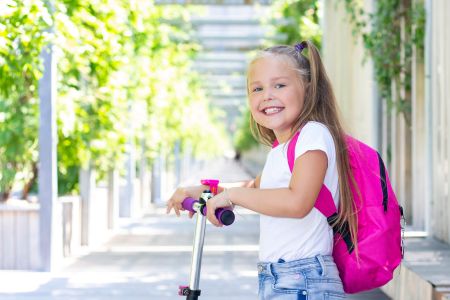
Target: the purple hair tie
pixel 300 46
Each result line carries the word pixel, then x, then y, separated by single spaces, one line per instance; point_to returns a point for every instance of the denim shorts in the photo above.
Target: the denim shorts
pixel 315 278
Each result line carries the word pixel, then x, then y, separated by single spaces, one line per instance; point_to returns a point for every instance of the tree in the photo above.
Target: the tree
pixel 23 35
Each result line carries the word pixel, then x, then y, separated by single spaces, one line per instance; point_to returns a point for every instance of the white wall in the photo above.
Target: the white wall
pixel 439 94
pixel 352 81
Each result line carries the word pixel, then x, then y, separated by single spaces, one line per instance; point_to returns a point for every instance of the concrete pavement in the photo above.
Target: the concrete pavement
pixel 149 257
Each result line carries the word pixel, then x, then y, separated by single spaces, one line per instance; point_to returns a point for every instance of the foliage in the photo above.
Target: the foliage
pixel 124 79
pixel 133 83
pixel 392 53
pixel 244 139
pixel 92 107
pixel 23 35
pixel 294 21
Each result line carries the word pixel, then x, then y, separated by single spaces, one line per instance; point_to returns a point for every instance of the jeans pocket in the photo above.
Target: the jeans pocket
pixel 334 296
pixel 290 283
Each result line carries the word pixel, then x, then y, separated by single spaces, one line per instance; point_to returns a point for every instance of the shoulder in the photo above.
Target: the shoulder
pixel 314 131
pixel 315 136
pixel 313 126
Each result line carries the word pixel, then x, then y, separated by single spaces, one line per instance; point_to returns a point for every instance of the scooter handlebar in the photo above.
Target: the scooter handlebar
pixel 188 204
pixel 224 215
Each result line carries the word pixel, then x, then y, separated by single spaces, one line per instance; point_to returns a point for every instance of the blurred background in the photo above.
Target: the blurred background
pixel 107 105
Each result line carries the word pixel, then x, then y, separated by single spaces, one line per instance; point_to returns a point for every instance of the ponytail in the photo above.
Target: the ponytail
pixel 320 105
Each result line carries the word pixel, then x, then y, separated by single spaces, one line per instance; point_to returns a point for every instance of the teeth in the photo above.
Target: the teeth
pixel 272 110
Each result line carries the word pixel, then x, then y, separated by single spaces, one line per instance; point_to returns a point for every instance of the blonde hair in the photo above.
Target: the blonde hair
pixel 320 106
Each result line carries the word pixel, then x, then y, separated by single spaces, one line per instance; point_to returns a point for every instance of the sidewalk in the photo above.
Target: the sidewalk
pixel 148 258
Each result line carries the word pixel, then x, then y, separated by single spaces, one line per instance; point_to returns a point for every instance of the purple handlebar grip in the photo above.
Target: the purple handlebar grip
pixel 224 215
pixel 188 204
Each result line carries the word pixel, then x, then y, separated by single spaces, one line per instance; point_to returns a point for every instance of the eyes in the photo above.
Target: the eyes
pixel 259 89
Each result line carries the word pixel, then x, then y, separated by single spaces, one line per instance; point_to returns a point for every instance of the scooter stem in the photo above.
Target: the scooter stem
pixel 199 238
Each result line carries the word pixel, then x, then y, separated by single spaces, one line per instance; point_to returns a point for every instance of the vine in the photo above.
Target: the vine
pixel 390 50
pixel 295 20
pixel 124 76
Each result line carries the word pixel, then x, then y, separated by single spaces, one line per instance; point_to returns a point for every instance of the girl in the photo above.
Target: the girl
pixel 289 92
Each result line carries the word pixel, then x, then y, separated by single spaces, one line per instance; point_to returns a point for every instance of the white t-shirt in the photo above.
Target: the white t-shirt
pixel 297 238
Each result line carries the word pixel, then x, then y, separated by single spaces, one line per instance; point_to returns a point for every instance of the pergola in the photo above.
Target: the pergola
pixel 223 60
pixel 214 2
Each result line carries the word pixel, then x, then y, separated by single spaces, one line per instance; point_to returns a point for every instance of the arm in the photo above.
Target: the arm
pixel 254 183
pixel 296 201
pixel 182 193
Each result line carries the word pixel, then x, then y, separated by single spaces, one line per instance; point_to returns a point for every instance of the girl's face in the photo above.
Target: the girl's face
pixel 276 95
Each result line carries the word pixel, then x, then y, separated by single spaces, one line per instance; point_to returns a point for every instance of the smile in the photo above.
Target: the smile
pixel 272 110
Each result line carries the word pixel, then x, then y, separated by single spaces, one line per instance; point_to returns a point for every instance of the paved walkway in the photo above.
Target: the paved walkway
pixel 148 258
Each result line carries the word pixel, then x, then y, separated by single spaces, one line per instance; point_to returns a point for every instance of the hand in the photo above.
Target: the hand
pixel 218 201
pixel 180 194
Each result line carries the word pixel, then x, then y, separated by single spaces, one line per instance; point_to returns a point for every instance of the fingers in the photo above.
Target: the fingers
pixel 175 202
pixel 211 208
pixel 169 206
pixel 177 207
pixel 177 210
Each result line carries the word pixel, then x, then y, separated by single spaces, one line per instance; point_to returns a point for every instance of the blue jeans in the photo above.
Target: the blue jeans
pixel 315 278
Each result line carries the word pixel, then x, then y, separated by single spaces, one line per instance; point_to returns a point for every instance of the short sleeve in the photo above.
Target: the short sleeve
pixel 316 136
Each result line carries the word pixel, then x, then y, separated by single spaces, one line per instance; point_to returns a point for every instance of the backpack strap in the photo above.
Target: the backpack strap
pixel 324 202
pixel 383 182
pixel 291 151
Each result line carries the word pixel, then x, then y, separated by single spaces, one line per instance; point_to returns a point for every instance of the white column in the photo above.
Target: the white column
pixel 177 153
pixel 128 196
pixel 87 186
pixel 113 198
pixel 49 227
pixel 156 179
pixel 144 180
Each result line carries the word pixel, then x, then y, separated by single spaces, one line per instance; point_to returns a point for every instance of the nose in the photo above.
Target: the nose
pixel 268 95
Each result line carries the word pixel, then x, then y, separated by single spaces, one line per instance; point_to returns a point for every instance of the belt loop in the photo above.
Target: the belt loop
pixel 322 264
pixel 260 269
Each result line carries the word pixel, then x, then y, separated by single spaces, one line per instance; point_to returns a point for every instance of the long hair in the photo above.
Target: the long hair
pixel 320 106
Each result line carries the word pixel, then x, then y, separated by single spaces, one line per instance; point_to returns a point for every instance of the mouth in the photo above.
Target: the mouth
pixel 272 110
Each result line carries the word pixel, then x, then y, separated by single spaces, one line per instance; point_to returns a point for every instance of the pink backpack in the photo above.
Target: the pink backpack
pixel 379 221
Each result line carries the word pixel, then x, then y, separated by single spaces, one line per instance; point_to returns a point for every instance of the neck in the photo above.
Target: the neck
pixel 283 137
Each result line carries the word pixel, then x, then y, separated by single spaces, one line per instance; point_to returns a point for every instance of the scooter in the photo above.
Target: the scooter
pixel 224 215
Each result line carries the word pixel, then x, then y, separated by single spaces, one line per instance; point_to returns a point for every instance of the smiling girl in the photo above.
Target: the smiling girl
pixel 289 92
